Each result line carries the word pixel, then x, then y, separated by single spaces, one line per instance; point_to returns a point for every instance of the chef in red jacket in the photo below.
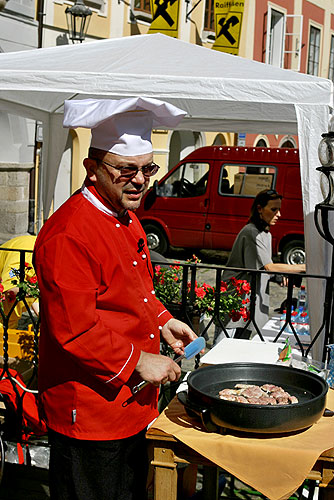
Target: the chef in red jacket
pixel 100 320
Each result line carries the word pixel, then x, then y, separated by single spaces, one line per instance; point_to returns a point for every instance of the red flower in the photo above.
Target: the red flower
pixel 223 286
pixel 245 287
pixel 27 265
pixel 207 287
pixel 11 296
pixel 235 315
pixel 244 313
pixel 200 292
pixel 33 280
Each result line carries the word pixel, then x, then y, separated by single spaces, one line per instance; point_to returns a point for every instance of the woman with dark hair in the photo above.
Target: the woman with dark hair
pixel 252 250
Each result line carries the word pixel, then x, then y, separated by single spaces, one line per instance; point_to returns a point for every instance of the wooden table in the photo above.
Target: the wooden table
pixel 167 452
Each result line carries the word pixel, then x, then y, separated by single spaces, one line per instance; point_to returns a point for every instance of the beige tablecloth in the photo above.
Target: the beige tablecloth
pixel 274 466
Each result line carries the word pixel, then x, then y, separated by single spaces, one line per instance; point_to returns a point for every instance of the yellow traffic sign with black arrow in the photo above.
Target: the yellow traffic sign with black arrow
pixel 228 20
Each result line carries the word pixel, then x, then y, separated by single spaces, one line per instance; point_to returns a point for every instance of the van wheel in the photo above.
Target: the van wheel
pixel 156 239
pixel 294 252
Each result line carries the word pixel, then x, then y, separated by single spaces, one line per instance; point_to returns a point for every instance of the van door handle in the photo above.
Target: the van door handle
pixel 206 202
pixel 208 227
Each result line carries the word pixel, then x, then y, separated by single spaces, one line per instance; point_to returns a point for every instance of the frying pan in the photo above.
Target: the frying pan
pixel 205 383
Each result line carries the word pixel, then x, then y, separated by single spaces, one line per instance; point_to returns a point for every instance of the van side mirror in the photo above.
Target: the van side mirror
pixel 151 195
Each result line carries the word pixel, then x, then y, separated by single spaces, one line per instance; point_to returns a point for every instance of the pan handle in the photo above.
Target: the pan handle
pixel 194 410
pixel 328 413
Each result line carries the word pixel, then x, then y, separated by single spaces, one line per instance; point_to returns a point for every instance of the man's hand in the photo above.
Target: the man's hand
pixel 157 369
pixel 177 335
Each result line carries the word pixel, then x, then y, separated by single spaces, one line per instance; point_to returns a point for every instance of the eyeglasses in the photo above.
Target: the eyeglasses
pixel 146 170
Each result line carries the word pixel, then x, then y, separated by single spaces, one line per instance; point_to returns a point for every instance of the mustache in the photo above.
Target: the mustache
pixel 134 187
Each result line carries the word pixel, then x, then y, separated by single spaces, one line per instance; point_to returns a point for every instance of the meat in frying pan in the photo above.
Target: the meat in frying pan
pixel 266 394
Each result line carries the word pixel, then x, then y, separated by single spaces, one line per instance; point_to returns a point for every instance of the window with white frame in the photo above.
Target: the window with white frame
pixel 25 8
pixel 313 51
pixel 209 21
pixel 95 4
pixel 98 6
pixel 275 37
pixel 331 61
pixel 143 5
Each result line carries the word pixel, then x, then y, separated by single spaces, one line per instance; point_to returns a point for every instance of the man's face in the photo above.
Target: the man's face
pixel 122 192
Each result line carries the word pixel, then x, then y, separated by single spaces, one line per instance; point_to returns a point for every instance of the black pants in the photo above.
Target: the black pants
pixel 98 470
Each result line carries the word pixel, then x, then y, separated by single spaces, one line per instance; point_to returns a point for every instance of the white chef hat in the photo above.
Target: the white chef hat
pixel 121 126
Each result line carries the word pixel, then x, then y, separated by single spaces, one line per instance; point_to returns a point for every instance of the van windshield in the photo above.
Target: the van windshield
pixel 188 180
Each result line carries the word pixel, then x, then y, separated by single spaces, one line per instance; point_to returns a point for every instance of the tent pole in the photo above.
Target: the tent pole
pixel 39 218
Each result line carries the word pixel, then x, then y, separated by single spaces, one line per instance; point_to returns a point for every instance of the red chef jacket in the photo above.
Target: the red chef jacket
pixel 98 311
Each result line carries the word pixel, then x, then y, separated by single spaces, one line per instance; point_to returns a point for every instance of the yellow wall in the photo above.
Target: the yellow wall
pixel 80 141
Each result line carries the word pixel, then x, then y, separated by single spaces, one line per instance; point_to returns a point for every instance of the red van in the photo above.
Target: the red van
pixel 204 201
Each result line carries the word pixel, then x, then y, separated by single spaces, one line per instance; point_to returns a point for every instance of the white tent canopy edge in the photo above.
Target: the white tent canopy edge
pixel 219 92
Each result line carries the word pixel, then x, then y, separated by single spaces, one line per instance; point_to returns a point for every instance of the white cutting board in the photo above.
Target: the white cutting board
pixel 231 350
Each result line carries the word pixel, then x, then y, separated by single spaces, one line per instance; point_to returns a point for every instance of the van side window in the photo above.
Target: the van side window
pixel 245 180
pixel 187 181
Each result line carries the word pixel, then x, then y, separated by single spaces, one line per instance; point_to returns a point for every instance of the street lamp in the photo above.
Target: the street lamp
pixel 326 229
pixel 78 17
pixel 326 157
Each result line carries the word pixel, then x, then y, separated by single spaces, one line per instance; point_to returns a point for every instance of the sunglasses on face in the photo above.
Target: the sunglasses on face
pixel 146 170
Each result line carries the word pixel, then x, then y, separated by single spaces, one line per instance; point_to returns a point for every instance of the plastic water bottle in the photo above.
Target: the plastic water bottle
pixel 282 319
pixel 330 378
pixel 303 326
pixel 302 298
pixel 294 315
pixel 299 321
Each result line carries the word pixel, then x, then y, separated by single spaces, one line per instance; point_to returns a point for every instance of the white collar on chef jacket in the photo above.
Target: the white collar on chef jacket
pixel 96 202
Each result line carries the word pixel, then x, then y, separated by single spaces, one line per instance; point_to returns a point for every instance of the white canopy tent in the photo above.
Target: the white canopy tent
pixel 220 92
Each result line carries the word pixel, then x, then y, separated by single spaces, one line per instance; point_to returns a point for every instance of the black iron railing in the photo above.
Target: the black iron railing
pixel 34 320
pixel 185 310
pixel 324 331
pixel 185 305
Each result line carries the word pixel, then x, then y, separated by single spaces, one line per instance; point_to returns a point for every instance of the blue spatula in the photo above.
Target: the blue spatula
pixel 189 352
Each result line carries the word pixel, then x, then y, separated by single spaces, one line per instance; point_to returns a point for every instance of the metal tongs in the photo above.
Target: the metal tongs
pixel 189 352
